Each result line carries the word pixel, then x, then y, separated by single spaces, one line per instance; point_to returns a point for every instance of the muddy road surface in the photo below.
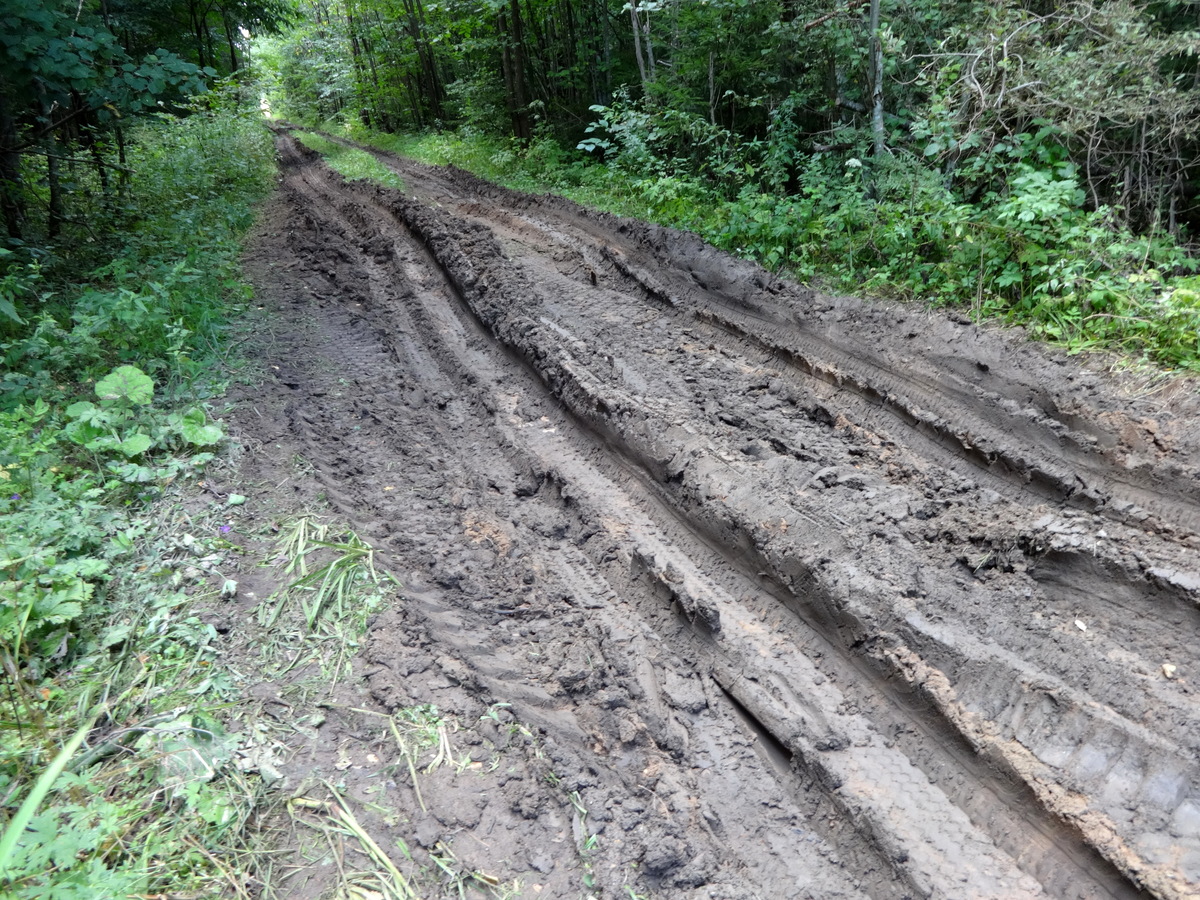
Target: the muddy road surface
pixel 744 591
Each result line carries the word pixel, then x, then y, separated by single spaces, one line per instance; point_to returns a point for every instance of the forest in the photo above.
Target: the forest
pixel 1035 161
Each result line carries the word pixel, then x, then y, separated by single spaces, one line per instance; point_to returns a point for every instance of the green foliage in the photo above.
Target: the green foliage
pixel 1114 81
pixel 65 82
pixel 640 138
pixel 121 428
pixel 162 296
pixel 60 539
pixel 103 383
pixel 54 54
pixel 306 75
pixel 20 280
pixel 16 833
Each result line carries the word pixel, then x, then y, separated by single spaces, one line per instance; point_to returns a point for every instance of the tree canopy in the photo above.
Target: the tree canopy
pixel 73 72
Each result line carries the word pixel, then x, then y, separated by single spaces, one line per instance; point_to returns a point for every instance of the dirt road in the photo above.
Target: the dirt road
pixel 743 591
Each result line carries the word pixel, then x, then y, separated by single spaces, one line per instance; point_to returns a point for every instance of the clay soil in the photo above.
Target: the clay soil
pixel 722 587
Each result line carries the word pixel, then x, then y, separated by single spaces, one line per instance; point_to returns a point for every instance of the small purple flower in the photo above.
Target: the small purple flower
pixel 15 497
pixel 225 529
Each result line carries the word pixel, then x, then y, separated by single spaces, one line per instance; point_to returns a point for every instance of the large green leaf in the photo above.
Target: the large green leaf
pixel 128 383
pixel 194 427
pixel 84 433
pixel 135 444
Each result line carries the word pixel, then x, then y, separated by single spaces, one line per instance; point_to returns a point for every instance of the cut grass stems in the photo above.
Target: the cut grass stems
pixel 336 819
pixel 328 589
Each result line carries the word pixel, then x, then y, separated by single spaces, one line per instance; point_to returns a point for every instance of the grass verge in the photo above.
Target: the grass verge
pixel 117 774
pixel 350 162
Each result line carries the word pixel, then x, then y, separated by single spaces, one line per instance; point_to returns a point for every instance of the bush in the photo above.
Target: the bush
pixel 162 296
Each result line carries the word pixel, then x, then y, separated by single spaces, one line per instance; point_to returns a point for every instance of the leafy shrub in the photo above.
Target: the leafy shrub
pixel 59 535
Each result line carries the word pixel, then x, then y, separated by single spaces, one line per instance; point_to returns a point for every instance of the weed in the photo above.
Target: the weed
pixel 416 730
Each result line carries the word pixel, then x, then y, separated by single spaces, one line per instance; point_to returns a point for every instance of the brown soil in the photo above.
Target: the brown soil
pixel 730 589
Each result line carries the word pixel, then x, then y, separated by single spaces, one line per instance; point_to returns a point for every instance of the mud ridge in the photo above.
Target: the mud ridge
pixel 689 473
pixel 1058 429
pixel 849 627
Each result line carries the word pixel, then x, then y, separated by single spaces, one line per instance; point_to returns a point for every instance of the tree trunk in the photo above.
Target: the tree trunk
pixel 198 28
pixel 520 104
pixel 649 44
pixel 233 59
pixel 637 46
pixel 53 182
pixel 11 189
pixel 712 88
pixel 877 82
pixel 123 172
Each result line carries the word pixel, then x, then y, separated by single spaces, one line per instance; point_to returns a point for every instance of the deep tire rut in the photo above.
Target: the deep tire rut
pixel 825 599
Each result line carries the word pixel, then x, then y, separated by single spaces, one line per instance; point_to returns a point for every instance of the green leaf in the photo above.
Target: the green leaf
pixel 83 433
pixel 132 473
pixel 127 383
pixel 81 410
pixel 15 830
pixel 103 442
pixel 9 311
pixel 62 605
pixel 135 444
pixel 194 428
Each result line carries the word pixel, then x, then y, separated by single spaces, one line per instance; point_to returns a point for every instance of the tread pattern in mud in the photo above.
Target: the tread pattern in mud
pixel 805 597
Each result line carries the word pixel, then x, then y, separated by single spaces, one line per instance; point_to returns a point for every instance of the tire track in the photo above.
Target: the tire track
pixel 1023 436
pixel 930 774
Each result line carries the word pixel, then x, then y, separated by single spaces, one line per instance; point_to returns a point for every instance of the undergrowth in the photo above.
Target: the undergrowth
pixel 1027 253
pixel 115 774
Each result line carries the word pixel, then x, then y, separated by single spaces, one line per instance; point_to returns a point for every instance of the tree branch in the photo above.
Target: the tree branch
pixel 850 7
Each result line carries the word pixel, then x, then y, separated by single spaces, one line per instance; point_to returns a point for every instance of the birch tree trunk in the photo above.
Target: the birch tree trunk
pixel 637 44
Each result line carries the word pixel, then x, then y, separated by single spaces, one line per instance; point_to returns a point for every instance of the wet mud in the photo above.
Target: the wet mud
pixel 752 591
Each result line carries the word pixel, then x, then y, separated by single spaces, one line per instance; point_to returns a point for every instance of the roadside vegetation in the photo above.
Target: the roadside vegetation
pixel 1028 162
pixel 127 179
pixel 350 162
pixel 114 775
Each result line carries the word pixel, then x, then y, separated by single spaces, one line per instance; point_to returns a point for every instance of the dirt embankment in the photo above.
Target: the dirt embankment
pixel 752 592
